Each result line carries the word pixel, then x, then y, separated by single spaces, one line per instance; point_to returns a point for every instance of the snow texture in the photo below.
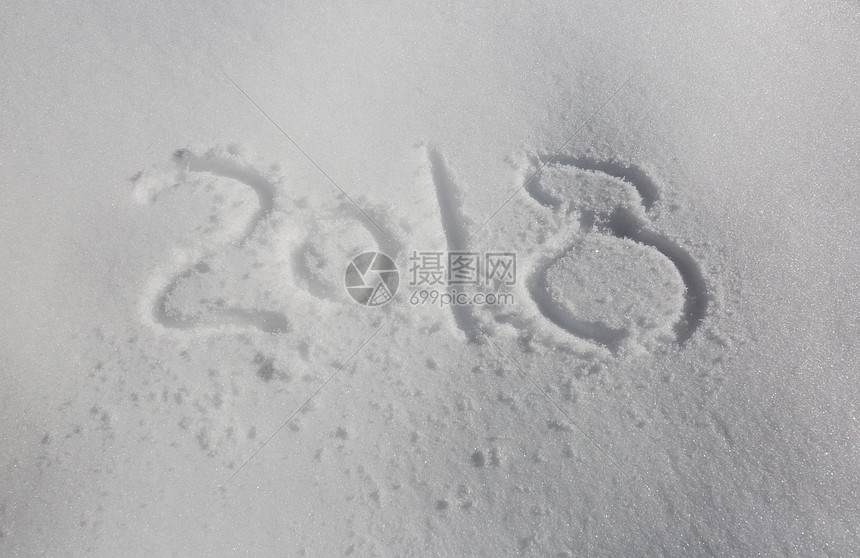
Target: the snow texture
pixel 185 374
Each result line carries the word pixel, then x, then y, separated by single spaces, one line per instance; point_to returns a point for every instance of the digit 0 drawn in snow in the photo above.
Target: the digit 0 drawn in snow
pixel 618 280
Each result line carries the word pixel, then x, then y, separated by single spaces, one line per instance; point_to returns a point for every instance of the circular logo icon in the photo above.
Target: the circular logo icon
pixel 371 279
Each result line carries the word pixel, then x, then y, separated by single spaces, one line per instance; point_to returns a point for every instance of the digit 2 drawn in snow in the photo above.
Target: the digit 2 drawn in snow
pixel 216 175
pixel 201 290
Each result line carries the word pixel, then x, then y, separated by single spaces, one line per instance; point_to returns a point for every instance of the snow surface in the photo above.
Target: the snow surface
pixel 184 373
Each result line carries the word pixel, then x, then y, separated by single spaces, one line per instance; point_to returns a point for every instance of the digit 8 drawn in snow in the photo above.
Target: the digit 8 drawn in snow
pixel 605 275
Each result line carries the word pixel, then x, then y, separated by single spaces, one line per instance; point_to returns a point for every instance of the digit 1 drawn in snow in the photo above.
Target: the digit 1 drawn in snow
pixel 450 201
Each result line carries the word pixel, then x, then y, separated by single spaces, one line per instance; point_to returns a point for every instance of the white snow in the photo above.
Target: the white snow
pixel 185 374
